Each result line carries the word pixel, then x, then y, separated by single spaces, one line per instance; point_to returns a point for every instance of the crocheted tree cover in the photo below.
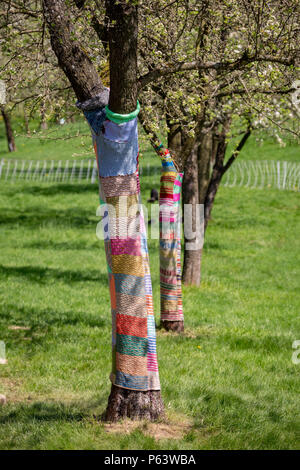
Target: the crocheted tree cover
pixel 134 359
pixel 170 239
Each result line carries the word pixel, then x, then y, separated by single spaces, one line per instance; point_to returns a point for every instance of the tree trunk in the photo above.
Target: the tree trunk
pixel 9 132
pixel 220 168
pixel 135 390
pixel 216 177
pixel 174 137
pixel 190 196
pixel 26 122
pixel 43 122
pixel 220 145
pixel 211 193
pixel 122 34
pixel 204 164
pixel 72 58
pixel 193 258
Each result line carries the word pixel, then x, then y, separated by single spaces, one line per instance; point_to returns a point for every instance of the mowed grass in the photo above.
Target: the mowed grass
pixel 230 376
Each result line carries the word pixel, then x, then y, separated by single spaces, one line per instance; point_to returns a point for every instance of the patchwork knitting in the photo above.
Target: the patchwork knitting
pixel 134 359
pixel 170 239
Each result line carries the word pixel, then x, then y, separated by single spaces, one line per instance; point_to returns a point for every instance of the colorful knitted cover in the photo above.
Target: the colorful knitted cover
pixel 134 360
pixel 170 239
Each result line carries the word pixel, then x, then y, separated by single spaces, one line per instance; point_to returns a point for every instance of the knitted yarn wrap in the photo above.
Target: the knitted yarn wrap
pixel 134 358
pixel 170 239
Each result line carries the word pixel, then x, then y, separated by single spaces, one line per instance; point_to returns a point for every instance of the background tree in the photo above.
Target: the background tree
pixel 248 49
pixel 35 86
pixel 9 131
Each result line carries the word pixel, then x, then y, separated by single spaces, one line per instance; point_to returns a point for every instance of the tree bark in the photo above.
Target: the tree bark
pixel 122 37
pixel 204 165
pixel 174 137
pixel 216 176
pixel 75 63
pixel 43 121
pixel 9 131
pixel 26 122
pixel 124 403
pixel 220 168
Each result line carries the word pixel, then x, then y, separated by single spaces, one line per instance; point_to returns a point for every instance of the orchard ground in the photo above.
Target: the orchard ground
pixel 228 382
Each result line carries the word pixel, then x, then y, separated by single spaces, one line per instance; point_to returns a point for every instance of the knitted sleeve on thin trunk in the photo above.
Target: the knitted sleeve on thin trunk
pixel 170 240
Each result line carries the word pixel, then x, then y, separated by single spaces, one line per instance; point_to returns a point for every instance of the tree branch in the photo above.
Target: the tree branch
pixel 100 29
pixel 77 66
pixel 226 66
pixel 236 152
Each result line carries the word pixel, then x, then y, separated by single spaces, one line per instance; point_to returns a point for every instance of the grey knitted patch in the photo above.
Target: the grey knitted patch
pixel 97 101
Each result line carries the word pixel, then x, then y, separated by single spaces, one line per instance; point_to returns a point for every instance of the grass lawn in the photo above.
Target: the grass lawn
pixel 228 383
pixel 72 141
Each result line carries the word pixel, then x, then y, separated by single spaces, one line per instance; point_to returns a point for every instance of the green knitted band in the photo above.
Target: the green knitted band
pixel 120 118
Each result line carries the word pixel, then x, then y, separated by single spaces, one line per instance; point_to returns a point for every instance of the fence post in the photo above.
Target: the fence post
pixel 88 170
pixel 15 171
pixel 284 174
pixel 22 169
pixel 7 171
pixel 66 170
pixel 1 166
pixel 37 167
pixel 58 171
pixel 51 170
pixel 44 169
pixel 278 174
pixel 81 170
pixel 94 173
pixel 73 170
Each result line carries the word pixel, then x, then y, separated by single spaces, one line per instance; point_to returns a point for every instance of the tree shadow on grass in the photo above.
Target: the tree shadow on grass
pixel 37 216
pixel 79 245
pixel 36 318
pixel 52 411
pixel 264 344
pixel 42 275
pixel 54 189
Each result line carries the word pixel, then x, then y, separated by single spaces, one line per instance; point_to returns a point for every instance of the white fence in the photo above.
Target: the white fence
pixel 248 173
pixel 263 174
pixel 49 170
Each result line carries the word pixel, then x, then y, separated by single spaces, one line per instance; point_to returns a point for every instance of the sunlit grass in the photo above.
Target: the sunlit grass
pixel 231 373
pixel 72 141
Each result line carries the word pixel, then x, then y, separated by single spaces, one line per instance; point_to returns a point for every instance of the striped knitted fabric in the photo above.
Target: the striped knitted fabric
pixel 170 240
pixel 134 359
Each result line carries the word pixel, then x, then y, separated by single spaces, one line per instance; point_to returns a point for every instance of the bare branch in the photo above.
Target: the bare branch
pixel 226 66
pixel 236 152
